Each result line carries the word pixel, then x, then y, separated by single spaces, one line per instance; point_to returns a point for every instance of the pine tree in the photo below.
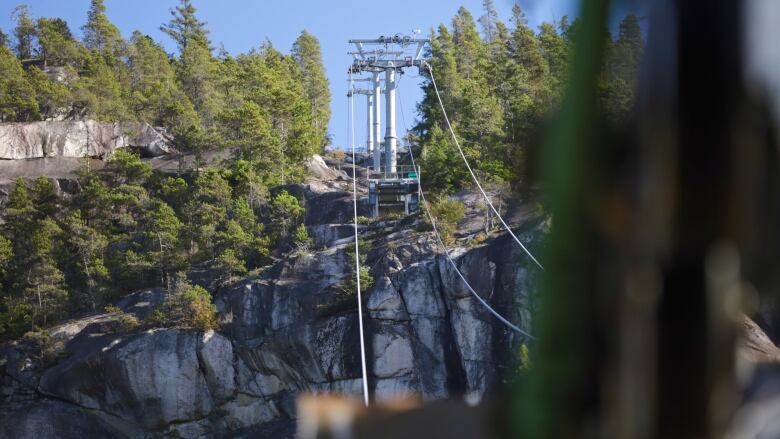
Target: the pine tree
pixel 52 97
pixel 197 70
pixel 286 211
pixel 161 232
pixel 3 39
pixel 56 43
pixel 99 91
pixel 87 246
pixel 489 20
pixel 43 284
pixel 24 32
pixel 307 54
pixel 17 96
pixel 555 50
pixel 185 28
pixel 99 33
pixel 156 96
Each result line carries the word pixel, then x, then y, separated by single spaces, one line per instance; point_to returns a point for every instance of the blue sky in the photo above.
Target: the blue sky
pixel 243 24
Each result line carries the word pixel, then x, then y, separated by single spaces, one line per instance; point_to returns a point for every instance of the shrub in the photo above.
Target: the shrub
pixel 347 300
pixel 302 239
pixel 46 348
pixel 124 322
pixel 189 307
pixel 447 214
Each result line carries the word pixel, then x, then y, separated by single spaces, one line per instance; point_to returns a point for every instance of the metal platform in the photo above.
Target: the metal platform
pixel 394 192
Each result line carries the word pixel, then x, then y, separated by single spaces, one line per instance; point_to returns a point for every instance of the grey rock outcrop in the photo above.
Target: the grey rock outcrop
pixel 285 331
pixel 87 138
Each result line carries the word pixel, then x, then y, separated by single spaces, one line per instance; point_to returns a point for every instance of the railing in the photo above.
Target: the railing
pixel 401 172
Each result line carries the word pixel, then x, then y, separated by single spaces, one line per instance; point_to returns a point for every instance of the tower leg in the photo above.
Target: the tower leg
pixel 391 140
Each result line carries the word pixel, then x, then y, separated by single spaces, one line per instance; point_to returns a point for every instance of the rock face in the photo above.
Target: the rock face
pixel 87 138
pixel 285 331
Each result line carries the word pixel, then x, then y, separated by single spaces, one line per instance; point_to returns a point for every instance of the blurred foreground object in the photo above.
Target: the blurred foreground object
pixel 663 229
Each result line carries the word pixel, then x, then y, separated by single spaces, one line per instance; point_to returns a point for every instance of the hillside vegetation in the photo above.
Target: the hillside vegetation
pixel 129 227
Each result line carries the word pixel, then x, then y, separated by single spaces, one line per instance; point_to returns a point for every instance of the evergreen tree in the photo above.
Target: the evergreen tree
pixel 99 33
pixel 489 20
pixel 161 233
pixel 185 28
pixel 3 39
pixel 197 70
pixel 87 247
pixel 307 54
pixel 17 96
pixel 99 92
pixel 52 97
pixel 156 96
pixel 286 211
pixel 556 52
pixel 43 286
pixel 56 43
pixel 24 32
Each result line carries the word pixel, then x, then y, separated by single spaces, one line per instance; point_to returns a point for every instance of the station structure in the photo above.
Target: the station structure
pixel 392 188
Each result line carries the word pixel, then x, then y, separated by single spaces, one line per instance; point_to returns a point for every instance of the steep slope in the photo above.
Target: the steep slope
pixel 290 329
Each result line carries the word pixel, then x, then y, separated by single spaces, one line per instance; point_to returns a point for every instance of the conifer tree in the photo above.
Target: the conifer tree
pixel 197 69
pixel 185 28
pixel 3 39
pixel 99 93
pixel 156 96
pixel 161 232
pixel 52 97
pixel 24 32
pixel 87 245
pixel 56 43
pixel 489 20
pixel 307 54
pixel 99 33
pixel 17 96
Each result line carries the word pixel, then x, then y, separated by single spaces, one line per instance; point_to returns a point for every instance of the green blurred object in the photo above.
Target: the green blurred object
pixel 553 400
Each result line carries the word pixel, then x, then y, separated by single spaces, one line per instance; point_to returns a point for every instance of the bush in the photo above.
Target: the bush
pixel 302 239
pixel 347 300
pixel 189 307
pixel 124 322
pixel 46 348
pixel 447 214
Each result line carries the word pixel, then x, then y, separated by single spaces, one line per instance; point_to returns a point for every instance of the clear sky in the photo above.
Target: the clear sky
pixel 243 24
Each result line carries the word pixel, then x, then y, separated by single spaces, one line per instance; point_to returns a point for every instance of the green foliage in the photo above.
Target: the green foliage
pixel 306 52
pixel 498 89
pixel 301 238
pixel 347 299
pixel 50 96
pixel 24 32
pixel 185 28
pixel 57 46
pixel 3 39
pixel 99 91
pixel 447 214
pixel 189 307
pixel 17 96
pixel 128 226
pixel 99 33
pixel 286 211
pixel 125 322
pixel 128 168
pixel 155 93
